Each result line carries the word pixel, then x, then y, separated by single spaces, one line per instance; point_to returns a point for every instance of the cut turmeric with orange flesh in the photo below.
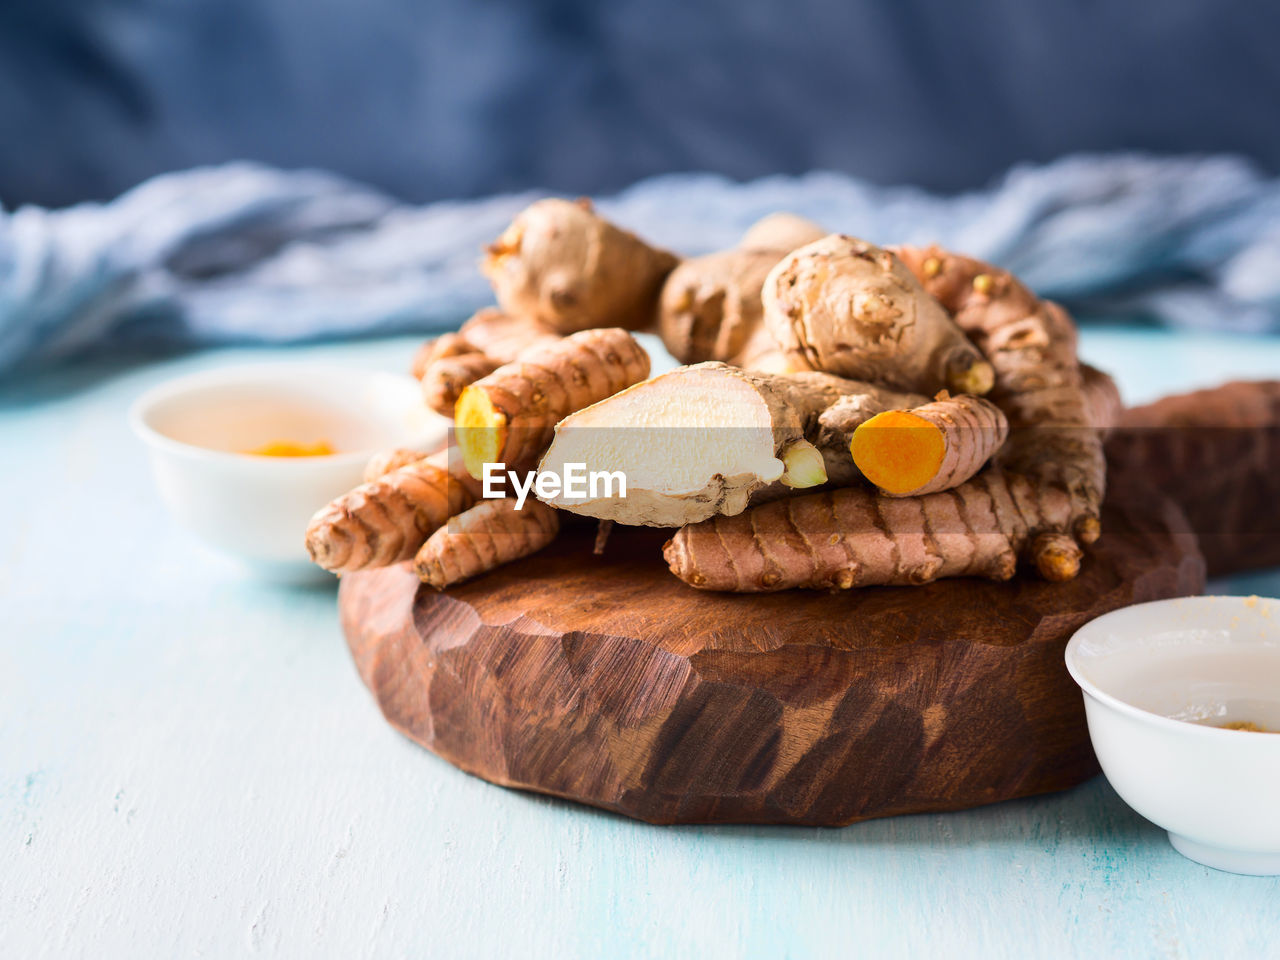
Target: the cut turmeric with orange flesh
pixel 898 451
pixel 933 447
pixel 510 415
pixel 481 427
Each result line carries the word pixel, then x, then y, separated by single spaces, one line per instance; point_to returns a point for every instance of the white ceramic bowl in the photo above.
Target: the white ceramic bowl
pixel 1159 680
pixel 256 508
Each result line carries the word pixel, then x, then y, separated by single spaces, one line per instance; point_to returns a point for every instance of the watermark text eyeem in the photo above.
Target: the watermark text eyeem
pixel 575 483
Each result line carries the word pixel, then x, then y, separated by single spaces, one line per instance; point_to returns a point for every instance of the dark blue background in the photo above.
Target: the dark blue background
pixel 433 100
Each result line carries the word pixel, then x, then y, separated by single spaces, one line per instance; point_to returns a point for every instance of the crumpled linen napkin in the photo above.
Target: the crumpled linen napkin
pixel 243 253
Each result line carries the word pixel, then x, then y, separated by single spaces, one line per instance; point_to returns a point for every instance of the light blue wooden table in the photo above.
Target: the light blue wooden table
pixel 189 766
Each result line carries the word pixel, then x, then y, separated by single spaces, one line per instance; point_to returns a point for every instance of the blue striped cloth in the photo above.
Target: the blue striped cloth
pixel 243 253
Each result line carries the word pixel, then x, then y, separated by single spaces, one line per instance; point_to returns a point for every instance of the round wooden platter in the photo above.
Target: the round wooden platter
pixel 606 680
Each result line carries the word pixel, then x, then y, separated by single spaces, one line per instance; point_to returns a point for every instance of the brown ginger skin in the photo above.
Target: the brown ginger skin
pixel 387 520
pixel 710 307
pixel 486 536
pixel 853 537
pixel 1031 344
pixel 929 448
pixel 509 416
pixel 781 231
pixel 564 265
pixel 853 309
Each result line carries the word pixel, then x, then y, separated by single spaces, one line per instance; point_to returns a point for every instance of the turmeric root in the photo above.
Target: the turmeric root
pixel 852 537
pixel 453 361
pixel 509 416
pixel 446 378
pixel 387 520
pixel 702 440
pixel 933 447
pixel 850 308
pixel 562 264
pixel 503 336
pixel 1031 344
pixel 385 461
pixel 486 536
pixel 445 345
pixel 710 307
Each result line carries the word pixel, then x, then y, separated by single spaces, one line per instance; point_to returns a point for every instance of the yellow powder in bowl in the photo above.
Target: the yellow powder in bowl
pixel 286 448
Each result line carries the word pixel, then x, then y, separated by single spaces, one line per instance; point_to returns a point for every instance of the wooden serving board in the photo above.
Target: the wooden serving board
pixel 608 681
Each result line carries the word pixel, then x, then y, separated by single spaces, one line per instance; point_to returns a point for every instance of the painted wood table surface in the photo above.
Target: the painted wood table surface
pixel 189 766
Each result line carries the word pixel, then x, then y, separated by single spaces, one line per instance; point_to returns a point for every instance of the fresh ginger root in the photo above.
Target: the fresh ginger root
pixel 853 537
pixel 562 264
pixel 453 361
pixel 387 520
pixel 710 307
pixel 930 448
pixel 708 439
pixel 1031 344
pixel 509 416
pixel 488 535
pixel 781 231
pixel 850 308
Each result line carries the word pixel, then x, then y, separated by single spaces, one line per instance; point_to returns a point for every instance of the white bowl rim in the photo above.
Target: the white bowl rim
pixel 1156 719
pixel 240 373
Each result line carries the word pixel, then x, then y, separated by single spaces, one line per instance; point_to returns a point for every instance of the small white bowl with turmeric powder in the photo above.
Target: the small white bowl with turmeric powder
pixel 244 455
pixel 1183 703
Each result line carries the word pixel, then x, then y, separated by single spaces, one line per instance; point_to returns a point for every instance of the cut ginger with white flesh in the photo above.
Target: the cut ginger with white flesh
pixel 700 441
